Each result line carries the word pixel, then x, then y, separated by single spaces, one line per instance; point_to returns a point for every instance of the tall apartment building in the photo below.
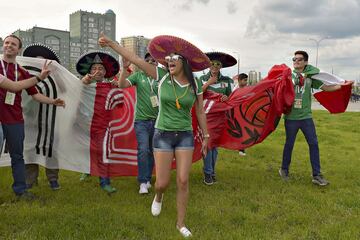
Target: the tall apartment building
pixel 85 28
pixel 58 40
pixel 254 77
pixel 136 44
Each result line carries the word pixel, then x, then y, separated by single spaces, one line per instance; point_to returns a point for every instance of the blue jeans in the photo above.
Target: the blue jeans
pixel 210 161
pixel 14 135
pixel 144 130
pixel 104 181
pixel 170 141
pixel 308 128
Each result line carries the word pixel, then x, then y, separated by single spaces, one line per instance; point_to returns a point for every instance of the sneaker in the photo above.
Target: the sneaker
pixel 242 153
pixel 208 180
pixel 214 178
pixel 108 188
pixel 143 188
pixel 283 174
pixel 148 184
pixel 83 176
pixel 184 231
pixel 156 206
pixel 54 185
pixel 320 180
pixel 26 196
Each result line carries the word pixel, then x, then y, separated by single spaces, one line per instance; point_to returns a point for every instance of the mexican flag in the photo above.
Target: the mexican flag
pixel 93 134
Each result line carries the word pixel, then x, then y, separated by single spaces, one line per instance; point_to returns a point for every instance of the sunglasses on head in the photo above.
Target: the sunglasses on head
pixel 295 59
pixel 174 57
pixel 216 64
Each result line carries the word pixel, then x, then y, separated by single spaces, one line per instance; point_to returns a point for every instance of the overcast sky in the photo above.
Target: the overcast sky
pixel 261 32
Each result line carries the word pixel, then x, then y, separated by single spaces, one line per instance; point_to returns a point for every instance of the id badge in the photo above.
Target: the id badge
pixel 298 103
pixel 154 101
pixel 10 98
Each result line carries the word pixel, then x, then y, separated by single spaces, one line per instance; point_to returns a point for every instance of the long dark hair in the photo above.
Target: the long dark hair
pixel 189 75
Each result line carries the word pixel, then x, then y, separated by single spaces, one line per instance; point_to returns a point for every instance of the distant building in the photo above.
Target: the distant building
pixel 254 77
pixel 58 40
pixel 83 36
pixel 136 44
pixel 85 28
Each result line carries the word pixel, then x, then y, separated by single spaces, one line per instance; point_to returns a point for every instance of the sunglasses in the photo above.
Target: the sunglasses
pixel 216 64
pixel 294 59
pixel 174 58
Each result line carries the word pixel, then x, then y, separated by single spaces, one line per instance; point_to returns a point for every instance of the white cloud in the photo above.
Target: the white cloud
pixel 263 32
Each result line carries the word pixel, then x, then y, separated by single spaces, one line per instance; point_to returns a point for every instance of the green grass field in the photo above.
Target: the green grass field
pixel 250 201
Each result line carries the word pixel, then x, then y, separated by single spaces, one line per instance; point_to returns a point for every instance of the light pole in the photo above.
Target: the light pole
pixel 238 62
pixel 317 47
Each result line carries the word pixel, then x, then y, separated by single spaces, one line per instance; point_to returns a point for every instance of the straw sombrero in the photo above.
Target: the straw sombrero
pixel 226 59
pixel 40 50
pixel 163 45
pixel 85 62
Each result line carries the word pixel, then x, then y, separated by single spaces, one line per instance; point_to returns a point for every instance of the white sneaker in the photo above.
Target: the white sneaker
pixel 242 153
pixel 143 188
pixel 148 184
pixel 156 206
pixel 184 231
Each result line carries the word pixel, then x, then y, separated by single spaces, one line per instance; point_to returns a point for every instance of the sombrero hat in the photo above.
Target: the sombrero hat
pixel 38 49
pixel 226 59
pixel 86 60
pixel 163 45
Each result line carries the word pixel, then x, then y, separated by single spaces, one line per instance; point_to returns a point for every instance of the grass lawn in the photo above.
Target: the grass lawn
pixel 250 201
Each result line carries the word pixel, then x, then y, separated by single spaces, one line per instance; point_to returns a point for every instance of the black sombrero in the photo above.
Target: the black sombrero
pixel 85 62
pixel 40 50
pixel 226 59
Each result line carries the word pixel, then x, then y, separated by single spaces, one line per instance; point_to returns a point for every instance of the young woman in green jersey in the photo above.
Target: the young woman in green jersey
pixel 178 92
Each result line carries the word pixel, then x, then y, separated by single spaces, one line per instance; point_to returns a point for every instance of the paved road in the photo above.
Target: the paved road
pixel 352 107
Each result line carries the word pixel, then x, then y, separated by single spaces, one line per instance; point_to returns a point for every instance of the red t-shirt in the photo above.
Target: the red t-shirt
pixel 10 114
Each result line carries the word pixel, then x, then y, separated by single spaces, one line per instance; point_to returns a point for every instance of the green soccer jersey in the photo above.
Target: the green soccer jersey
pixel 170 118
pixel 301 108
pixel 146 88
pixel 223 85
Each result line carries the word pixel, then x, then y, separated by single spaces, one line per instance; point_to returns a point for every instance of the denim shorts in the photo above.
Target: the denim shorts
pixel 169 141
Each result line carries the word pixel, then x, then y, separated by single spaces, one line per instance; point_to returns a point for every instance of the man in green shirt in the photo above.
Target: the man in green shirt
pixel 146 113
pixel 216 82
pixel 300 116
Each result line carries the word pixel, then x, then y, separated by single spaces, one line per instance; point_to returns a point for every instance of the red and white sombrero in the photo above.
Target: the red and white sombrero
pixel 163 45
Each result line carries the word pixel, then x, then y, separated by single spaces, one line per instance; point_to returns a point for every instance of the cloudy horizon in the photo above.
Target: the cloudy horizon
pixel 261 33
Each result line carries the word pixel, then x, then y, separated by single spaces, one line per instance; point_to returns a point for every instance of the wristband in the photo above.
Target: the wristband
pixel 129 70
pixel 38 78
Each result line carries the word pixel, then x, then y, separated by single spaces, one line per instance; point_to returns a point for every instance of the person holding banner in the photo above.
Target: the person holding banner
pixel 96 67
pixel 11 113
pixel 32 169
pixel 12 86
pixel 300 116
pixel 146 113
pixel 216 82
pixel 178 93
pixel 242 81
